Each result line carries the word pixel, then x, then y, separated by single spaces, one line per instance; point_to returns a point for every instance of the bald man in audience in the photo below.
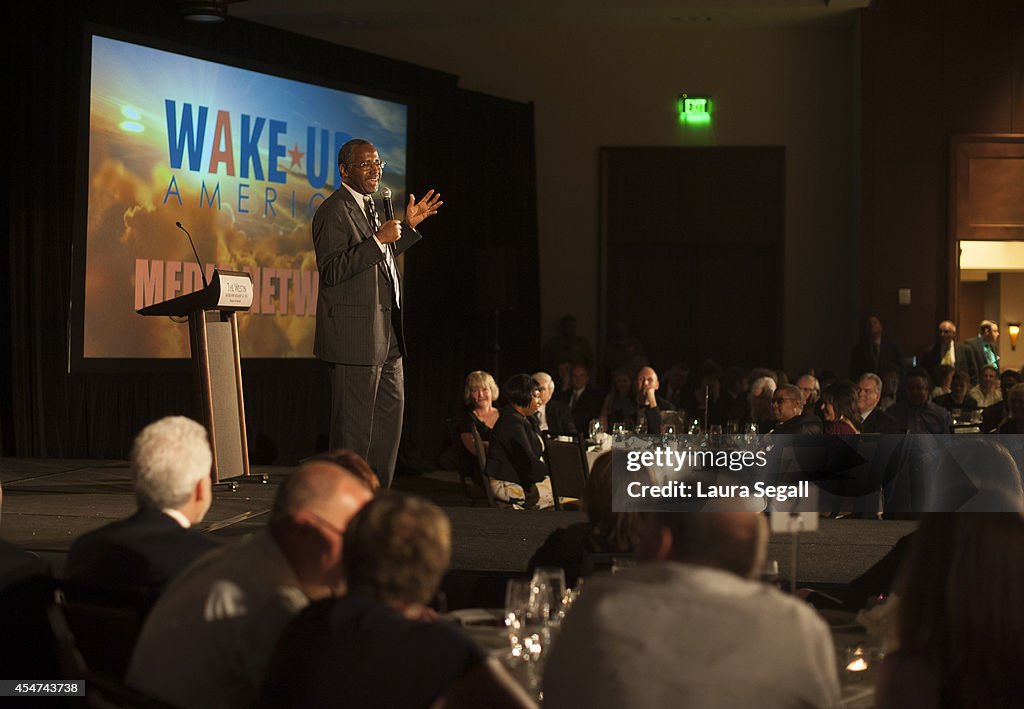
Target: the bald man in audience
pixel 947 350
pixel 689 627
pixel 377 646
pixel 648 404
pixel 208 640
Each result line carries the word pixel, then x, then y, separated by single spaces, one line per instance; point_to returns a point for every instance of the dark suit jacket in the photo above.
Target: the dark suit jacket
pixel 514 453
pixel 651 414
pixel 559 418
pixel 966 360
pixel 863 359
pixel 977 347
pixel 144 551
pixel 355 307
pixel 879 421
pixel 802 425
pixel 588 406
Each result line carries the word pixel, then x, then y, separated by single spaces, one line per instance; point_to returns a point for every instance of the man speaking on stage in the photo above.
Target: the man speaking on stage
pixel 359 309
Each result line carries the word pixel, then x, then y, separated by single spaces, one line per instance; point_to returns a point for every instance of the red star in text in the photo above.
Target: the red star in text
pixel 296 156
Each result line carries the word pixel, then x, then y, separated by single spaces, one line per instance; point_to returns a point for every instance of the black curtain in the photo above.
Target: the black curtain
pixel 478 150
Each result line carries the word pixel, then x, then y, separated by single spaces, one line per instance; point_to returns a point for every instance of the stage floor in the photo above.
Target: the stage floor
pixel 47 503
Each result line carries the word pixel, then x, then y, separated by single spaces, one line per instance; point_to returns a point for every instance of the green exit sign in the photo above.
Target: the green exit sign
pixel 694 109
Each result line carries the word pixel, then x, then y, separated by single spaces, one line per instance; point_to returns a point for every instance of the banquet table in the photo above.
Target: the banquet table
pixel 857 655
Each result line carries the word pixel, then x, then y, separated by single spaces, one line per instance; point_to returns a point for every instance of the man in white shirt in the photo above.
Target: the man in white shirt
pixel 689 628
pixel 208 640
pixel 554 416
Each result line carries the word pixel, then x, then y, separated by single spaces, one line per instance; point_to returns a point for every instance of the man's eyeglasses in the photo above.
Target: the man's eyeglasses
pixel 782 399
pixel 367 164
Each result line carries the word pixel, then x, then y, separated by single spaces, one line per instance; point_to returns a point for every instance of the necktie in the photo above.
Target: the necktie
pixel 389 259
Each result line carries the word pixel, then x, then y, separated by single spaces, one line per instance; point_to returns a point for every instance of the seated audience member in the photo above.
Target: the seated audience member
pixel 170 464
pixel 760 396
pixel 869 396
pixel 480 394
pixel 916 413
pixel 810 389
pixel 1014 421
pixel 648 405
pixel 583 399
pixel 872 351
pixel 552 416
pixel 959 621
pixel 788 405
pixel 707 390
pixel 732 406
pixel 987 392
pixel 621 397
pixel 376 646
pixel 26 595
pixel 515 465
pixel 994 415
pixel 958 398
pixel 605 531
pixel 207 641
pixel 690 628
pixel 890 377
pixel 677 390
pixel 943 378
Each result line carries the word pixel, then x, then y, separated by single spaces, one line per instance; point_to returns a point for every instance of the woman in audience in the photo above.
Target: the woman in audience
pixel 515 466
pixel 480 394
pixel 988 391
pixel 958 398
pixel 605 531
pixel 960 617
pixel 621 397
pixel 839 406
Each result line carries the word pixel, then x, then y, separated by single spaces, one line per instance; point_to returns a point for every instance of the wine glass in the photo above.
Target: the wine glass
pixel 517 604
pixel 641 424
pixel 595 428
pixel 695 426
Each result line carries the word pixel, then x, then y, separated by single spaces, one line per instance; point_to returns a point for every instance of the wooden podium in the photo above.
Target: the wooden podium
pixel 217 368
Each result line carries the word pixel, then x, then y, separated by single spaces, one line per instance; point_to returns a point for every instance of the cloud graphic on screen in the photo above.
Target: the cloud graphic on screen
pixel 390 116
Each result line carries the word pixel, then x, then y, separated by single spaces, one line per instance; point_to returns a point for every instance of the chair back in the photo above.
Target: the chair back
pixel 567 466
pixel 101 690
pixel 471 465
pixel 104 628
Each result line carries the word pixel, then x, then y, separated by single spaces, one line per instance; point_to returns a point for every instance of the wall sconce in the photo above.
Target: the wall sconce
pixel 1013 328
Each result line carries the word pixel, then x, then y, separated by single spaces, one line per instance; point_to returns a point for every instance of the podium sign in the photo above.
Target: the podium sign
pixel 217 364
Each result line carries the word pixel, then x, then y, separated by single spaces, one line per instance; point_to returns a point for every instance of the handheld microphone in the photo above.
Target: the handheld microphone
pixel 194 253
pixel 389 209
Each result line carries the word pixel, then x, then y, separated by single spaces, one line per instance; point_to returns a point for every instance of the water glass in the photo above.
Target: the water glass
pixel 595 428
pixel 552 577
